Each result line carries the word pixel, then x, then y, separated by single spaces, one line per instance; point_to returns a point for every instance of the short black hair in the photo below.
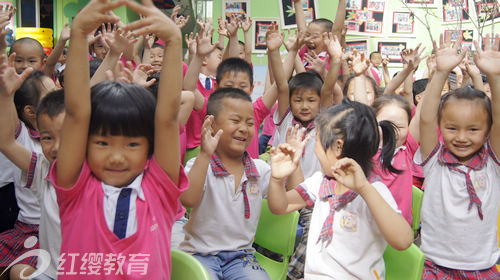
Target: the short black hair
pixel 234 65
pixel 214 103
pixel 418 87
pixel 325 23
pixel 51 104
pixel 467 93
pixel 122 109
pixel 372 53
pixel 94 65
pixel 309 80
pixel 29 41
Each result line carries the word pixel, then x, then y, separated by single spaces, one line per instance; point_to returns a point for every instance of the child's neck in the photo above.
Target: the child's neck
pixel 234 165
pixel 340 189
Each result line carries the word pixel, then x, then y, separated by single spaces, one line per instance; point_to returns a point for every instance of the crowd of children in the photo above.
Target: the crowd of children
pixel 106 142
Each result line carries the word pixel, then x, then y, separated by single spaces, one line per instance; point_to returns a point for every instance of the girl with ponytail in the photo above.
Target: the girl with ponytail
pixel 353 220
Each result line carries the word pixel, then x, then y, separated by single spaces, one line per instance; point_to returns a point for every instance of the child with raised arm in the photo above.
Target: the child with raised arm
pixel 352 220
pixel 462 173
pixel 117 183
pixel 226 190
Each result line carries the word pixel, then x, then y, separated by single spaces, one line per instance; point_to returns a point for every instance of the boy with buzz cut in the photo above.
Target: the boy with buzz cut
pixel 29 53
pixel 226 190
pixel 34 166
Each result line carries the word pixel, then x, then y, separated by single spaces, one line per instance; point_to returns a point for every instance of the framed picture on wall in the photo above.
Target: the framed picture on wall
pixel 287 12
pixel 455 11
pixel 487 10
pixel 403 23
pixel 260 27
pixel 357 43
pixel 392 49
pixel 365 16
pixel 467 37
pixel 239 7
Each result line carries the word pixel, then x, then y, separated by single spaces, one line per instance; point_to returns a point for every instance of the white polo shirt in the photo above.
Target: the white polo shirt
pixel 219 223
pixel 308 162
pixel 357 246
pixel 452 235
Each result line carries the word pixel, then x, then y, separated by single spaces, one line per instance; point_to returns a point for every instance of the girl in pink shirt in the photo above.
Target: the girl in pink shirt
pixel 117 180
pixel 394 108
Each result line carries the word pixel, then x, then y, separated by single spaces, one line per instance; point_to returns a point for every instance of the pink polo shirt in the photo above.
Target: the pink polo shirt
pixel 89 250
pixel 400 185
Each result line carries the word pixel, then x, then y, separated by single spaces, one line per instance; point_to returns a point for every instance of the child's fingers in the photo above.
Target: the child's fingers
pixel 150 82
pixel 11 59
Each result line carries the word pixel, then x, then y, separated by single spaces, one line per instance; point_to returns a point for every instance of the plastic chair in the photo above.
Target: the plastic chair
pixel 407 264
pixel 416 206
pixel 185 267
pixel 276 233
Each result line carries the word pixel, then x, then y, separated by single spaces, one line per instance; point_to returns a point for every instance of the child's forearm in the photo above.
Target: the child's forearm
pixel 398 80
pixel 54 57
pixel 233 48
pixel 330 81
pixel 338 23
pixel 108 63
pixel 408 89
pixel 360 89
pixel 299 66
pixel 300 16
pixel 395 229
pixel 276 196
pixel 248 47
pixel 192 74
pixel 197 176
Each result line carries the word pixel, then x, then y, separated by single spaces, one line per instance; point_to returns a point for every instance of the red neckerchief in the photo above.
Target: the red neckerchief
pixel 327 191
pixel 476 163
pixel 250 171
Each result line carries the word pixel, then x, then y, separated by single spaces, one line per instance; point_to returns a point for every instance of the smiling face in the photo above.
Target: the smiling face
pixel 314 38
pixel 304 104
pixel 50 132
pixel 156 58
pixel 398 116
pixel 99 50
pixel 237 123
pixel 27 55
pixel 117 160
pixel 464 126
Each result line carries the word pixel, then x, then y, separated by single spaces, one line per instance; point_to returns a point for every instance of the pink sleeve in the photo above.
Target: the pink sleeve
pixel 269 126
pixel 68 196
pixel 260 111
pixel 160 177
pixel 184 69
pixel 411 143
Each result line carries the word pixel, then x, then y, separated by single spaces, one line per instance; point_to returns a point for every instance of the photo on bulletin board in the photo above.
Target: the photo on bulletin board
pixel 365 16
pixel 455 11
pixel 238 7
pixel 287 12
pixel 360 44
pixel 392 49
pixel 467 37
pixel 421 3
pixel 260 27
pixel 487 10
pixel 403 23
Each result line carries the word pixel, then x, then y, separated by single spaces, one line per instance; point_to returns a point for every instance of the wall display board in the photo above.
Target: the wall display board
pixel 392 49
pixel 455 10
pixel 359 44
pixel 287 12
pixel 239 7
pixel 260 27
pixel 365 16
pixel 403 23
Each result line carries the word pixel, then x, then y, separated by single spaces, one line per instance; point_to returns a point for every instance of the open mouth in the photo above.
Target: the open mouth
pixel 241 139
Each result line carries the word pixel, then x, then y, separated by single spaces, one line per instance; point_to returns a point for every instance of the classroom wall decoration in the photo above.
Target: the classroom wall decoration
pixel 392 50
pixel 455 10
pixel 403 23
pixel 365 16
pixel 287 12
pixel 421 3
pixel 487 10
pixel 467 37
pixel 359 44
pixel 238 7
pixel 260 27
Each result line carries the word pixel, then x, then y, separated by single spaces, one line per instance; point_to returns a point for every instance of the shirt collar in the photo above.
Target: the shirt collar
pixel 219 170
pixel 477 161
pixel 135 186
pixel 34 134
pixel 310 126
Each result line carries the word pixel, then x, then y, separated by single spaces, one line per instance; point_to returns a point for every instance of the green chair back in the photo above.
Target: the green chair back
pixel 416 206
pixel 276 233
pixel 186 267
pixel 407 264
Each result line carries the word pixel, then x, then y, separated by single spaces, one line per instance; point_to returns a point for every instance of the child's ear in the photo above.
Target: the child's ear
pixel 337 147
pixel 44 60
pixel 251 88
pixel 29 112
pixel 418 98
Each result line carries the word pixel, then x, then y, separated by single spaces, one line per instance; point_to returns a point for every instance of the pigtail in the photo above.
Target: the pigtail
pixel 388 146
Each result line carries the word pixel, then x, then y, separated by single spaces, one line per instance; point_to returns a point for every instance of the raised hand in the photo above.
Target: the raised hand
pixel 294 40
pixel 448 57
pixel 246 24
pixel 204 44
pixel 149 41
pixel 273 37
pixel 348 173
pixel 141 74
pixel 315 62
pixel 180 21
pixel 488 60
pixel 283 161
pixel 95 13
pixel 232 27
pixel 65 33
pixel 209 140
pixel 153 21
pixel 119 41
pixel 191 42
pixel 413 56
pixel 10 81
pixel 4 22
pixel 222 29
pixel 359 63
pixel 296 138
pixel 333 46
